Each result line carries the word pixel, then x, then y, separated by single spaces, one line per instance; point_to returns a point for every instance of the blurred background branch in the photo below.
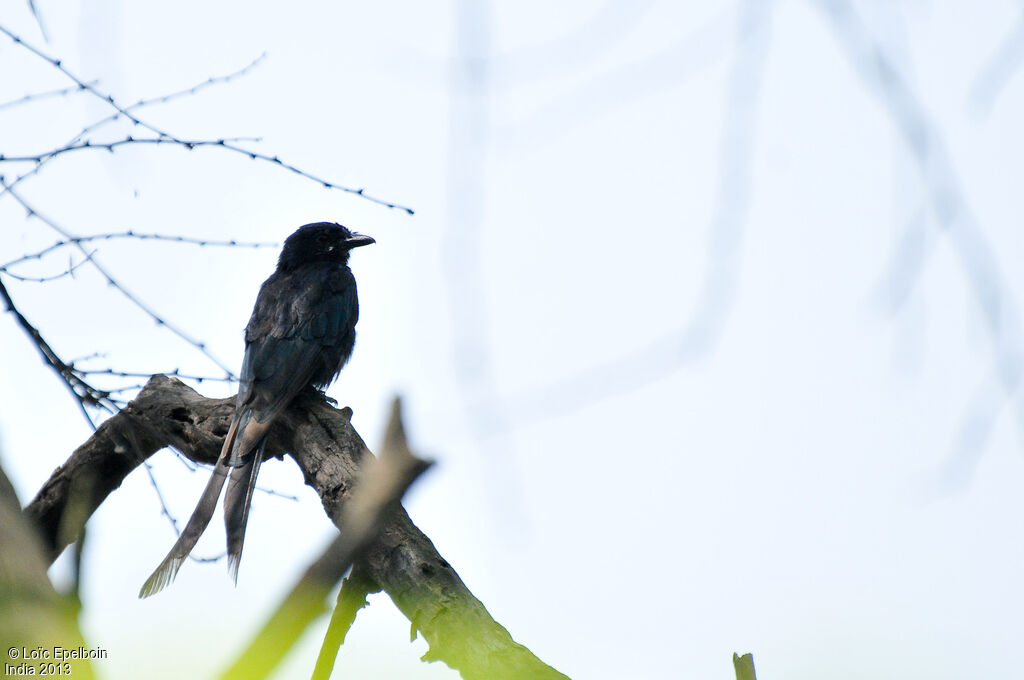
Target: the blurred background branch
pixel 32 614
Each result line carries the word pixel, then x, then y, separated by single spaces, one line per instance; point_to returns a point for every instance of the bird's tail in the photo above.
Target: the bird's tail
pixel 168 569
pixel 197 523
pixel 237 500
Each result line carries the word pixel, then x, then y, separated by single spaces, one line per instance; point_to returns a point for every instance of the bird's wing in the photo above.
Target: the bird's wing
pixel 288 339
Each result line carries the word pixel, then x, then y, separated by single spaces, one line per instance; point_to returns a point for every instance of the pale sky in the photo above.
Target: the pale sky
pixel 709 315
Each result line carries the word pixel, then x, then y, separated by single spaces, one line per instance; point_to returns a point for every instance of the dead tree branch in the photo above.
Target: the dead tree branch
pixel 382 483
pixel 320 438
pixel 85 394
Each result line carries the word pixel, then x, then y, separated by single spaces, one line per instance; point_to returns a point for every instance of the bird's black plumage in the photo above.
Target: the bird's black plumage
pixel 299 337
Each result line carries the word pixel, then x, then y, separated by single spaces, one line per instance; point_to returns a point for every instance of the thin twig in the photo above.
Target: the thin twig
pixel 91 89
pixel 142 103
pixel 190 144
pixel 39 19
pixel 162 136
pixel 84 393
pixel 141 374
pixel 110 146
pixel 209 82
pixel 36 96
pixel 70 271
pixel 138 236
pixel 201 346
pixel 166 512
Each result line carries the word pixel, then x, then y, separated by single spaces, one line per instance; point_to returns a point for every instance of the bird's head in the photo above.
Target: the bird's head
pixel 319 242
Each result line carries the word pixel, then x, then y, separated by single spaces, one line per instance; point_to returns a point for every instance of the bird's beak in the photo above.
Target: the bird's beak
pixel 356 240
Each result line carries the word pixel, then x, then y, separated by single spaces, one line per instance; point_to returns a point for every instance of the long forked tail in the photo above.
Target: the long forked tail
pixel 168 569
pixel 197 523
pixel 237 500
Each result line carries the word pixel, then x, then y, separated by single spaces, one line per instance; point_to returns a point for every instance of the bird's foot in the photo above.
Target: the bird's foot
pixel 320 394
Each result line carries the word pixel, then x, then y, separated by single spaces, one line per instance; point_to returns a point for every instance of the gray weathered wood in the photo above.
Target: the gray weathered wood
pixel 321 440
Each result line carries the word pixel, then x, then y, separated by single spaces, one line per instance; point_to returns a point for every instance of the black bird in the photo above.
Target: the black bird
pixel 298 339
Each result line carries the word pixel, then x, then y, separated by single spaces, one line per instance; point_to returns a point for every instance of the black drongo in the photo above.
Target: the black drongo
pixel 299 337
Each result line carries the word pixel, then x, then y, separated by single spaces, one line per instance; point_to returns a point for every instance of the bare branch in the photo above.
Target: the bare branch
pixel 949 204
pixel 382 483
pixel 36 96
pixel 85 86
pixel 320 438
pixel 174 329
pixel 195 89
pixel 134 235
pixel 39 19
pixel 89 145
pixel 142 103
pixel 993 77
pixel 165 137
pixel 85 394
pixel 70 271
pixel 698 334
pixel 138 374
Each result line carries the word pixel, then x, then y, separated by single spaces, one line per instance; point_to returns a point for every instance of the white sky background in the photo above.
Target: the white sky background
pixel 703 366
